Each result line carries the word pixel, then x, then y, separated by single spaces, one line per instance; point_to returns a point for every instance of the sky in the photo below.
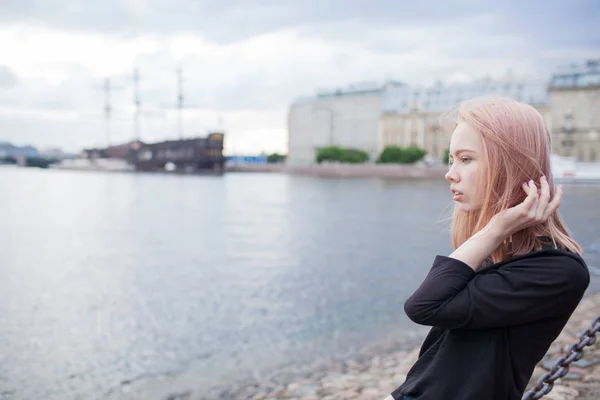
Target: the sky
pixel 244 62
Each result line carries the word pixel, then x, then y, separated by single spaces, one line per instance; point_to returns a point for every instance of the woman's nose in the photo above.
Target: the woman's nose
pixel 451 175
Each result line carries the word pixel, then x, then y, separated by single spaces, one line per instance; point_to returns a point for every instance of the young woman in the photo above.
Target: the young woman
pixel 515 277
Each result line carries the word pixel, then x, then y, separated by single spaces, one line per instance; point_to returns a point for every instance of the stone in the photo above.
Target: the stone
pixel 572 376
pixel 310 397
pixel 369 383
pixel 560 392
pixel 548 364
pixel 388 386
pixel 338 382
pixel 376 361
pixel 583 363
pixel 593 376
pixel 349 394
pixel 370 391
pixel 304 390
pixel 374 377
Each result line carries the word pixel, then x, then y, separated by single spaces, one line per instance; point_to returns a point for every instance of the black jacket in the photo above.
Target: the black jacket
pixel 490 327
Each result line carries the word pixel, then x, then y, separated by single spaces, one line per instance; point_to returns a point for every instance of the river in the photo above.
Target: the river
pixel 115 282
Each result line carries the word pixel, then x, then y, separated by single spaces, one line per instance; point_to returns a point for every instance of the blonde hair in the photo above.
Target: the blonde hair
pixel 517 147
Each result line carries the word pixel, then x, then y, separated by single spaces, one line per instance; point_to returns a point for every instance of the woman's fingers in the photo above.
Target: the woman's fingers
pixel 554 204
pixel 544 199
pixel 530 202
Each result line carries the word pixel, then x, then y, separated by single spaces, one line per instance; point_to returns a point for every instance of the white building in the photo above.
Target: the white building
pixel 411 116
pixel 343 117
pixel 370 116
pixel 575 111
pixel 440 98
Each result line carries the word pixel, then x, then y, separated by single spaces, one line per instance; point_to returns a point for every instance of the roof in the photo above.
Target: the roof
pixel 438 98
pixel 586 75
pixel 355 89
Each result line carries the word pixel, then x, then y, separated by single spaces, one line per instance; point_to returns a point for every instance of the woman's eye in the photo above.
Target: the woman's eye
pixel 466 160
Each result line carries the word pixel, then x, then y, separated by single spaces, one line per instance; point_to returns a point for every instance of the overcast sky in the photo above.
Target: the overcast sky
pixel 244 62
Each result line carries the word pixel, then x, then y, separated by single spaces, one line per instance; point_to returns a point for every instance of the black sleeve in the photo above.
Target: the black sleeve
pixel 525 290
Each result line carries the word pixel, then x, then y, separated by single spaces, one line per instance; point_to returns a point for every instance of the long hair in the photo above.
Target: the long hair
pixel 517 147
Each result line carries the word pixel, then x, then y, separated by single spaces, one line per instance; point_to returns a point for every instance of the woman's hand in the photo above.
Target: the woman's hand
pixel 536 208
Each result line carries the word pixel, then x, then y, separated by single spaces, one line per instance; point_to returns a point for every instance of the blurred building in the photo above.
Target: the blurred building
pixel 8 150
pixel 414 116
pixel 369 117
pixel 245 159
pixel 575 113
pixel 55 153
pixel 342 117
pixel 120 151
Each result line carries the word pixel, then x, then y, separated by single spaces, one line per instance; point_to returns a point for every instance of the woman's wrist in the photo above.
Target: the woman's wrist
pixel 494 232
pixel 479 246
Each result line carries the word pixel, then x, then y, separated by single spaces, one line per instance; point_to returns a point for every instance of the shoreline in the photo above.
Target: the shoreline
pixel 393 171
pixel 373 373
pixel 418 171
pixel 382 171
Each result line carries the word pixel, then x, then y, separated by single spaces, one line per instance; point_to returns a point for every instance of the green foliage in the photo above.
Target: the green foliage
pixel 354 156
pixel 342 155
pixel 275 158
pixel 401 155
pixel 446 158
pixel 413 154
pixel 390 154
pixel 331 153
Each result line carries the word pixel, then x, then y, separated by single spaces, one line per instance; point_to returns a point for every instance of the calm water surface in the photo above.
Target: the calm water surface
pixel 114 283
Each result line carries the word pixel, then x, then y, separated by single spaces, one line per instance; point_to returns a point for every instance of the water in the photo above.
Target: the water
pixel 119 284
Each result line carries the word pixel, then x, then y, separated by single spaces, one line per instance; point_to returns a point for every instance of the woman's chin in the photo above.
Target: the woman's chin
pixel 465 207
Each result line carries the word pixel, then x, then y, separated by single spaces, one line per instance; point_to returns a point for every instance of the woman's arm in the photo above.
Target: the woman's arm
pixel 533 210
pixel 453 295
pixel 523 290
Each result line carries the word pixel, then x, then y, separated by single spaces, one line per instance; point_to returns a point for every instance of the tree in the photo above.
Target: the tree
pixel 446 157
pixel 354 156
pixel 390 154
pixel 275 158
pixel 400 155
pixel 412 154
pixel 343 155
pixel 330 153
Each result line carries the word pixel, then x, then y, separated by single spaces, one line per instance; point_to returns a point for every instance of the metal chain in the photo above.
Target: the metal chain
pixel 561 366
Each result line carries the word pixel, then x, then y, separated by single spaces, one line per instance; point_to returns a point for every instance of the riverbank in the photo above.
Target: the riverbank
pixel 579 172
pixel 399 171
pixel 374 376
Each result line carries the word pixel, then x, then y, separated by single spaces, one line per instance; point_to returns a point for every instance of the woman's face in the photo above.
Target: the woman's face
pixel 466 167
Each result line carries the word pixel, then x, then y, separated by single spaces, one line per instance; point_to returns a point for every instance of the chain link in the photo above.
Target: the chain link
pixel 561 366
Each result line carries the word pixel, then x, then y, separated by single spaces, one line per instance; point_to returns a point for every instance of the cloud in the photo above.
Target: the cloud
pixel 246 61
pixel 221 22
pixel 235 20
pixel 7 77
